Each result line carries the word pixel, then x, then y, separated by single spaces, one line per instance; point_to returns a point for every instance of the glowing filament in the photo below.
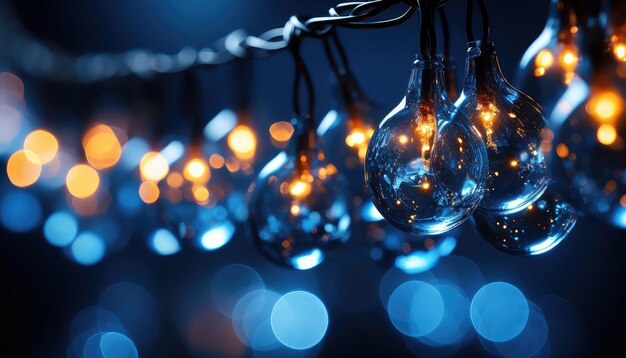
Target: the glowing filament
pixel 606 134
pixel 543 61
pixel 242 142
pixel 299 189
pixel 619 50
pixel 487 114
pixel 358 139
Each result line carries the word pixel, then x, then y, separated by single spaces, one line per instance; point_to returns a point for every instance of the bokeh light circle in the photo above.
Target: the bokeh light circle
pixel 499 311
pixel 60 228
pixel 231 283
pixel 415 308
pixel 251 319
pixel 88 248
pixel 82 181
pixel 299 320
pixel 117 345
pixel 20 211
pixel 23 168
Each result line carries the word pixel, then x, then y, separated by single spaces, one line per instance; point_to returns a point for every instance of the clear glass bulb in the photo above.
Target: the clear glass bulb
pixel 536 229
pixel 299 205
pixel 346 132
pixel 511 124
pixel 426 166
pixel 591 149
pixel 550 62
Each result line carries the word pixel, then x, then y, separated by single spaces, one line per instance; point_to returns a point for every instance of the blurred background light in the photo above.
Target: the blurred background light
pixel 20 211
pixel 117 345
pixel 153 166
pixel 163 242
pixel 23 168
pixel 82 181
pixel 102 146
pixel 231 283
pixel 43 144
pixel 415 308
pixel 499 311
pixel 60 228
pixel 251 320
pixel 217 236
pixel 88 248
pixel 299 320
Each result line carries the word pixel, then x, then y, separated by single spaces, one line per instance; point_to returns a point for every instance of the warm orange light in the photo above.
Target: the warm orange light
pixel 197 171
pixel 200 193
pixel 605 106
pixel 82 181
pixel 43 144
pixel 23 168
pixel 299 189
pixel 295 209
pixel 358 139
pixel 149 192
pixel 606 134
pixel 544 59
pixel 488 113
pixel 175 180
pixel 619 50
pixel 153 166
pixel 242 142
pixel 102 147
pixel 568 59
pixel 233 165
pixel 402 139
pixel 216 161
pixel 561 150
pixel 281 131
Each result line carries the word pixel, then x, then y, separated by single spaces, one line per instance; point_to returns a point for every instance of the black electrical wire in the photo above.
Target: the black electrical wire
pixel 469 21
pixel 445 29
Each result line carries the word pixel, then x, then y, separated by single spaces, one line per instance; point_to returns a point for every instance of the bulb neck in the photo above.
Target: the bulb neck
pixel 482 68
pixel 427 83
pixel 304 144
pixel 561 18
pixel 349 94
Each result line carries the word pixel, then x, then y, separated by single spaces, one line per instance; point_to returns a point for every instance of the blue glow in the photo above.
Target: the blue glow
pixel 455 324
pixel 308 260
pixel 128 198
pixel 163 242
pixel 446 246
pixel 369 212
pixel 532 339
pixel 173 151
pixel 217 236
pixel 299 320
pixel 415 308
pixel 499 311
pixel 20 211
pixel 133 150
pixel 251 319
pixel 116 345
pixel 418 261
pixel 575 94
pixel 88 249
pixel 61 228
pixel 231 283
pixel 619 218
pixel 220 125
pixel 327 122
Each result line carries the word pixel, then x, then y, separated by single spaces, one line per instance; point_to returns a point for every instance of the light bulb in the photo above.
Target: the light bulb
pixel 592 151
pixel 550 63
pixel 512 126
pixel 536 229
pixel 299 204
pixel 242 141
pixel 346 131
pixel 426 166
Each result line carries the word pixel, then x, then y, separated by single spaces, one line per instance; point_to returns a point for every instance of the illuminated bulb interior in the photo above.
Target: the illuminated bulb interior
pixel 42 144
pixel 242 142
pixel 358 139
pixel 543 61
pixel 488 113
pixel 619 50
pixel 153 166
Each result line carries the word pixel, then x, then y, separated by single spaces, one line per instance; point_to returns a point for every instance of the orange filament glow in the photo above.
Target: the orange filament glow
pixel 149 192
pixel 102 147
pixel 568 59
pixel 153 166
pixel 242 142
pixel 358 139
pixel 23 168
pixel 487 113
pixel 295 209
pixel 619 50
pixel 402 139
pixel 82 181
pixel 281 131
pixel 605 106
pixel 543 61
pixel 606 134
pixel 42 144
pixel 197 171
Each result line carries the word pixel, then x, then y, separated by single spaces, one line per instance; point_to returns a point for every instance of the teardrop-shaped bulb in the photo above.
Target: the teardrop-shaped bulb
pixel 512 126
pixel 299 205
pixel 425 165
pixel 537 229
pixel 591 149
pixel 550 63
